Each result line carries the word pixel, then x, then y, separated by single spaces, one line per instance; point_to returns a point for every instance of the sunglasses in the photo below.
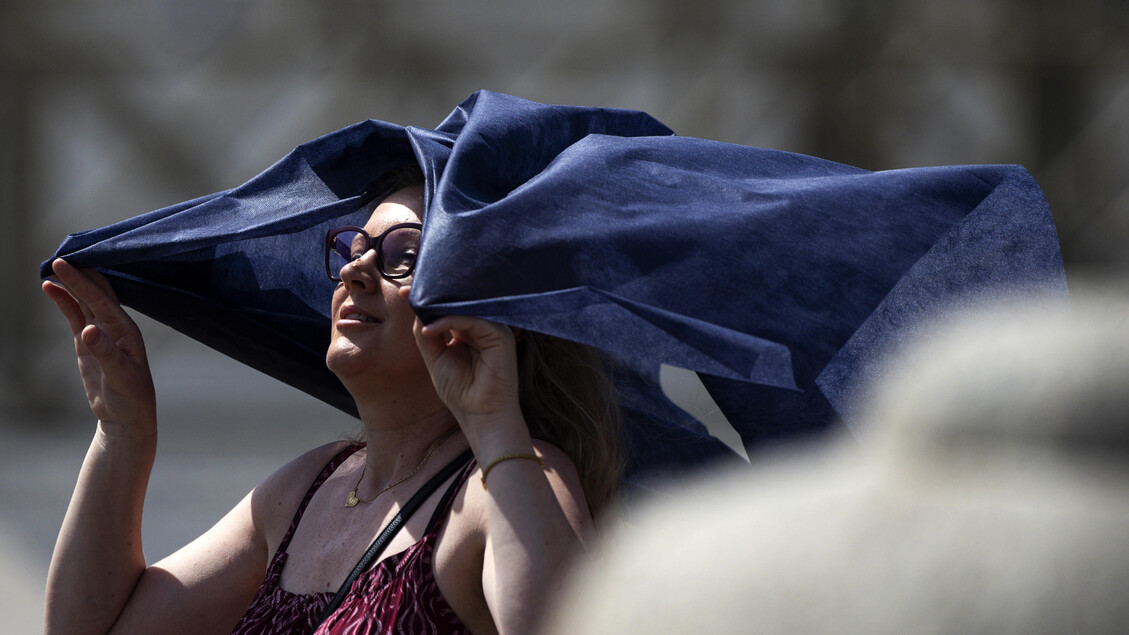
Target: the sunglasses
pixel 396 249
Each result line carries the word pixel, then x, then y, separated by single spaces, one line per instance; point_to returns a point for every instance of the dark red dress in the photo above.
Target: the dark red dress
pixel 398 595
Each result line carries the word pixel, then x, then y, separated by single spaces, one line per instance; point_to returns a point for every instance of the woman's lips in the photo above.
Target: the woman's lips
pixel 353 314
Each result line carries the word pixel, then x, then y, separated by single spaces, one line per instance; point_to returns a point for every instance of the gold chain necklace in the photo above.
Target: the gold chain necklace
pixel 351 500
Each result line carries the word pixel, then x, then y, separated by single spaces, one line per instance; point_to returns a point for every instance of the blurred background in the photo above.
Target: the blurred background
pixel 110 109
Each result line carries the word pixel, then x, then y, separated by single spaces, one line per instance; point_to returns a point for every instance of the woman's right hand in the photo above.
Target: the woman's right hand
pixel 110 351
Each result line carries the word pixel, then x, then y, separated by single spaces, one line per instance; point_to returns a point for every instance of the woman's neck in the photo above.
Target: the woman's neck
pixel 400 429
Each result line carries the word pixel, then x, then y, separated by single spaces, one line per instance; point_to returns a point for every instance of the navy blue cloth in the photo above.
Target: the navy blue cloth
pixel 781 278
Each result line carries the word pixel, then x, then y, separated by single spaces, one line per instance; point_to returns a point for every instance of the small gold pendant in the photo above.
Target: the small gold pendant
pixel 352 500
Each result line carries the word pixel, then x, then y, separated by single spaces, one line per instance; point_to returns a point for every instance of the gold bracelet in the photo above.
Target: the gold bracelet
pixel 508 457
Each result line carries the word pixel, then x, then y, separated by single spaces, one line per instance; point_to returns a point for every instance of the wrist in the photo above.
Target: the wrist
pixel 141 434
pixel 491 437
pixel 524 456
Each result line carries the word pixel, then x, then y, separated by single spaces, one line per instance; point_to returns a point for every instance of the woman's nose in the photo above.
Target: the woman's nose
pixel 362 271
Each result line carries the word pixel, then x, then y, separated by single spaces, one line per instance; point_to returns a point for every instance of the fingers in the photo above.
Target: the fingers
pixel 89 335
pixel 90 341
pixel 97 343
pixel 112 359
pixel 432 343
pixel 441 344
pixel 475 331
pixel 430 346
pixel 87 285
pixel 93 294
pixel 479 335
pixel 68 306
pixel 452 331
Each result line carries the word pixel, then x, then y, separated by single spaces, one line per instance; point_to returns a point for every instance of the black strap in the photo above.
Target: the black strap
pixel 444 505
pixel 392 528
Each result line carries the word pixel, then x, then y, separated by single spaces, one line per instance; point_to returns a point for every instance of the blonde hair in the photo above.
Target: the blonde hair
pixel 568 399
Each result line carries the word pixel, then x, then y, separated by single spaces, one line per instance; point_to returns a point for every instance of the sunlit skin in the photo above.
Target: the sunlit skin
pixel 499 553
pixel 376 356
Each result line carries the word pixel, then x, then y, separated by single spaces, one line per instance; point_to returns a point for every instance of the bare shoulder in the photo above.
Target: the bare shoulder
pixel 275 499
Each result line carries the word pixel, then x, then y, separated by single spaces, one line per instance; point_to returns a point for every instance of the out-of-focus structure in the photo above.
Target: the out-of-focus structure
pixel 114 109
pixel 988 496
pixel 110 109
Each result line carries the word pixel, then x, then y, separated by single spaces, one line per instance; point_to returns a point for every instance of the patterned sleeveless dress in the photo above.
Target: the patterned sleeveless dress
pixel 398 595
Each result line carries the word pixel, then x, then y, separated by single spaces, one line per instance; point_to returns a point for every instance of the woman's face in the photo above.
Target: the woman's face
pixel 371 337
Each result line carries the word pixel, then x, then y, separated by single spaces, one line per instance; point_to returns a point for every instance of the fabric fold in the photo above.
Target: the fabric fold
pixel 781 278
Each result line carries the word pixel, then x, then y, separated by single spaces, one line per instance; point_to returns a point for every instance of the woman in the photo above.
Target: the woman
pixel 481 561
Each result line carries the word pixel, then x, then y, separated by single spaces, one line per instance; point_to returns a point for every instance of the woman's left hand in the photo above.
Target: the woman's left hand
pixel 535 515
pixel 473 364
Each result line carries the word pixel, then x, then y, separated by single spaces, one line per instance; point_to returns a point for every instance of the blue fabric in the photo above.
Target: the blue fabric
pixel 781 278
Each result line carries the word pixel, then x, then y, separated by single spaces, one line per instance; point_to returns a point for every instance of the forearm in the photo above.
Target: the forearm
pixel 531 539
pixel 98 557
pixel 533 519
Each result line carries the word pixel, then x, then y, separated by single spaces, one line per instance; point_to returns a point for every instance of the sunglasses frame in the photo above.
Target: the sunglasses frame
pixel 371 242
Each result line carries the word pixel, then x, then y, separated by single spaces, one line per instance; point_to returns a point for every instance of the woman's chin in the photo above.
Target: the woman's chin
pixel 361 363
pixel 344 359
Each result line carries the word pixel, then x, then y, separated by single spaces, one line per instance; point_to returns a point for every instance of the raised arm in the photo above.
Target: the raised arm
pixel 98 576
pixel 98 557
pixel 536 517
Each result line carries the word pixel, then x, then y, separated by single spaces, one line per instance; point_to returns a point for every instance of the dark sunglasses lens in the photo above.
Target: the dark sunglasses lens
pixel 399 250
pixel 344 247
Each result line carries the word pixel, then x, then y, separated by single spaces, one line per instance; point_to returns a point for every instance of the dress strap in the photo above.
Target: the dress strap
pixel 445 503
pixel 323 476
pixel 393 526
